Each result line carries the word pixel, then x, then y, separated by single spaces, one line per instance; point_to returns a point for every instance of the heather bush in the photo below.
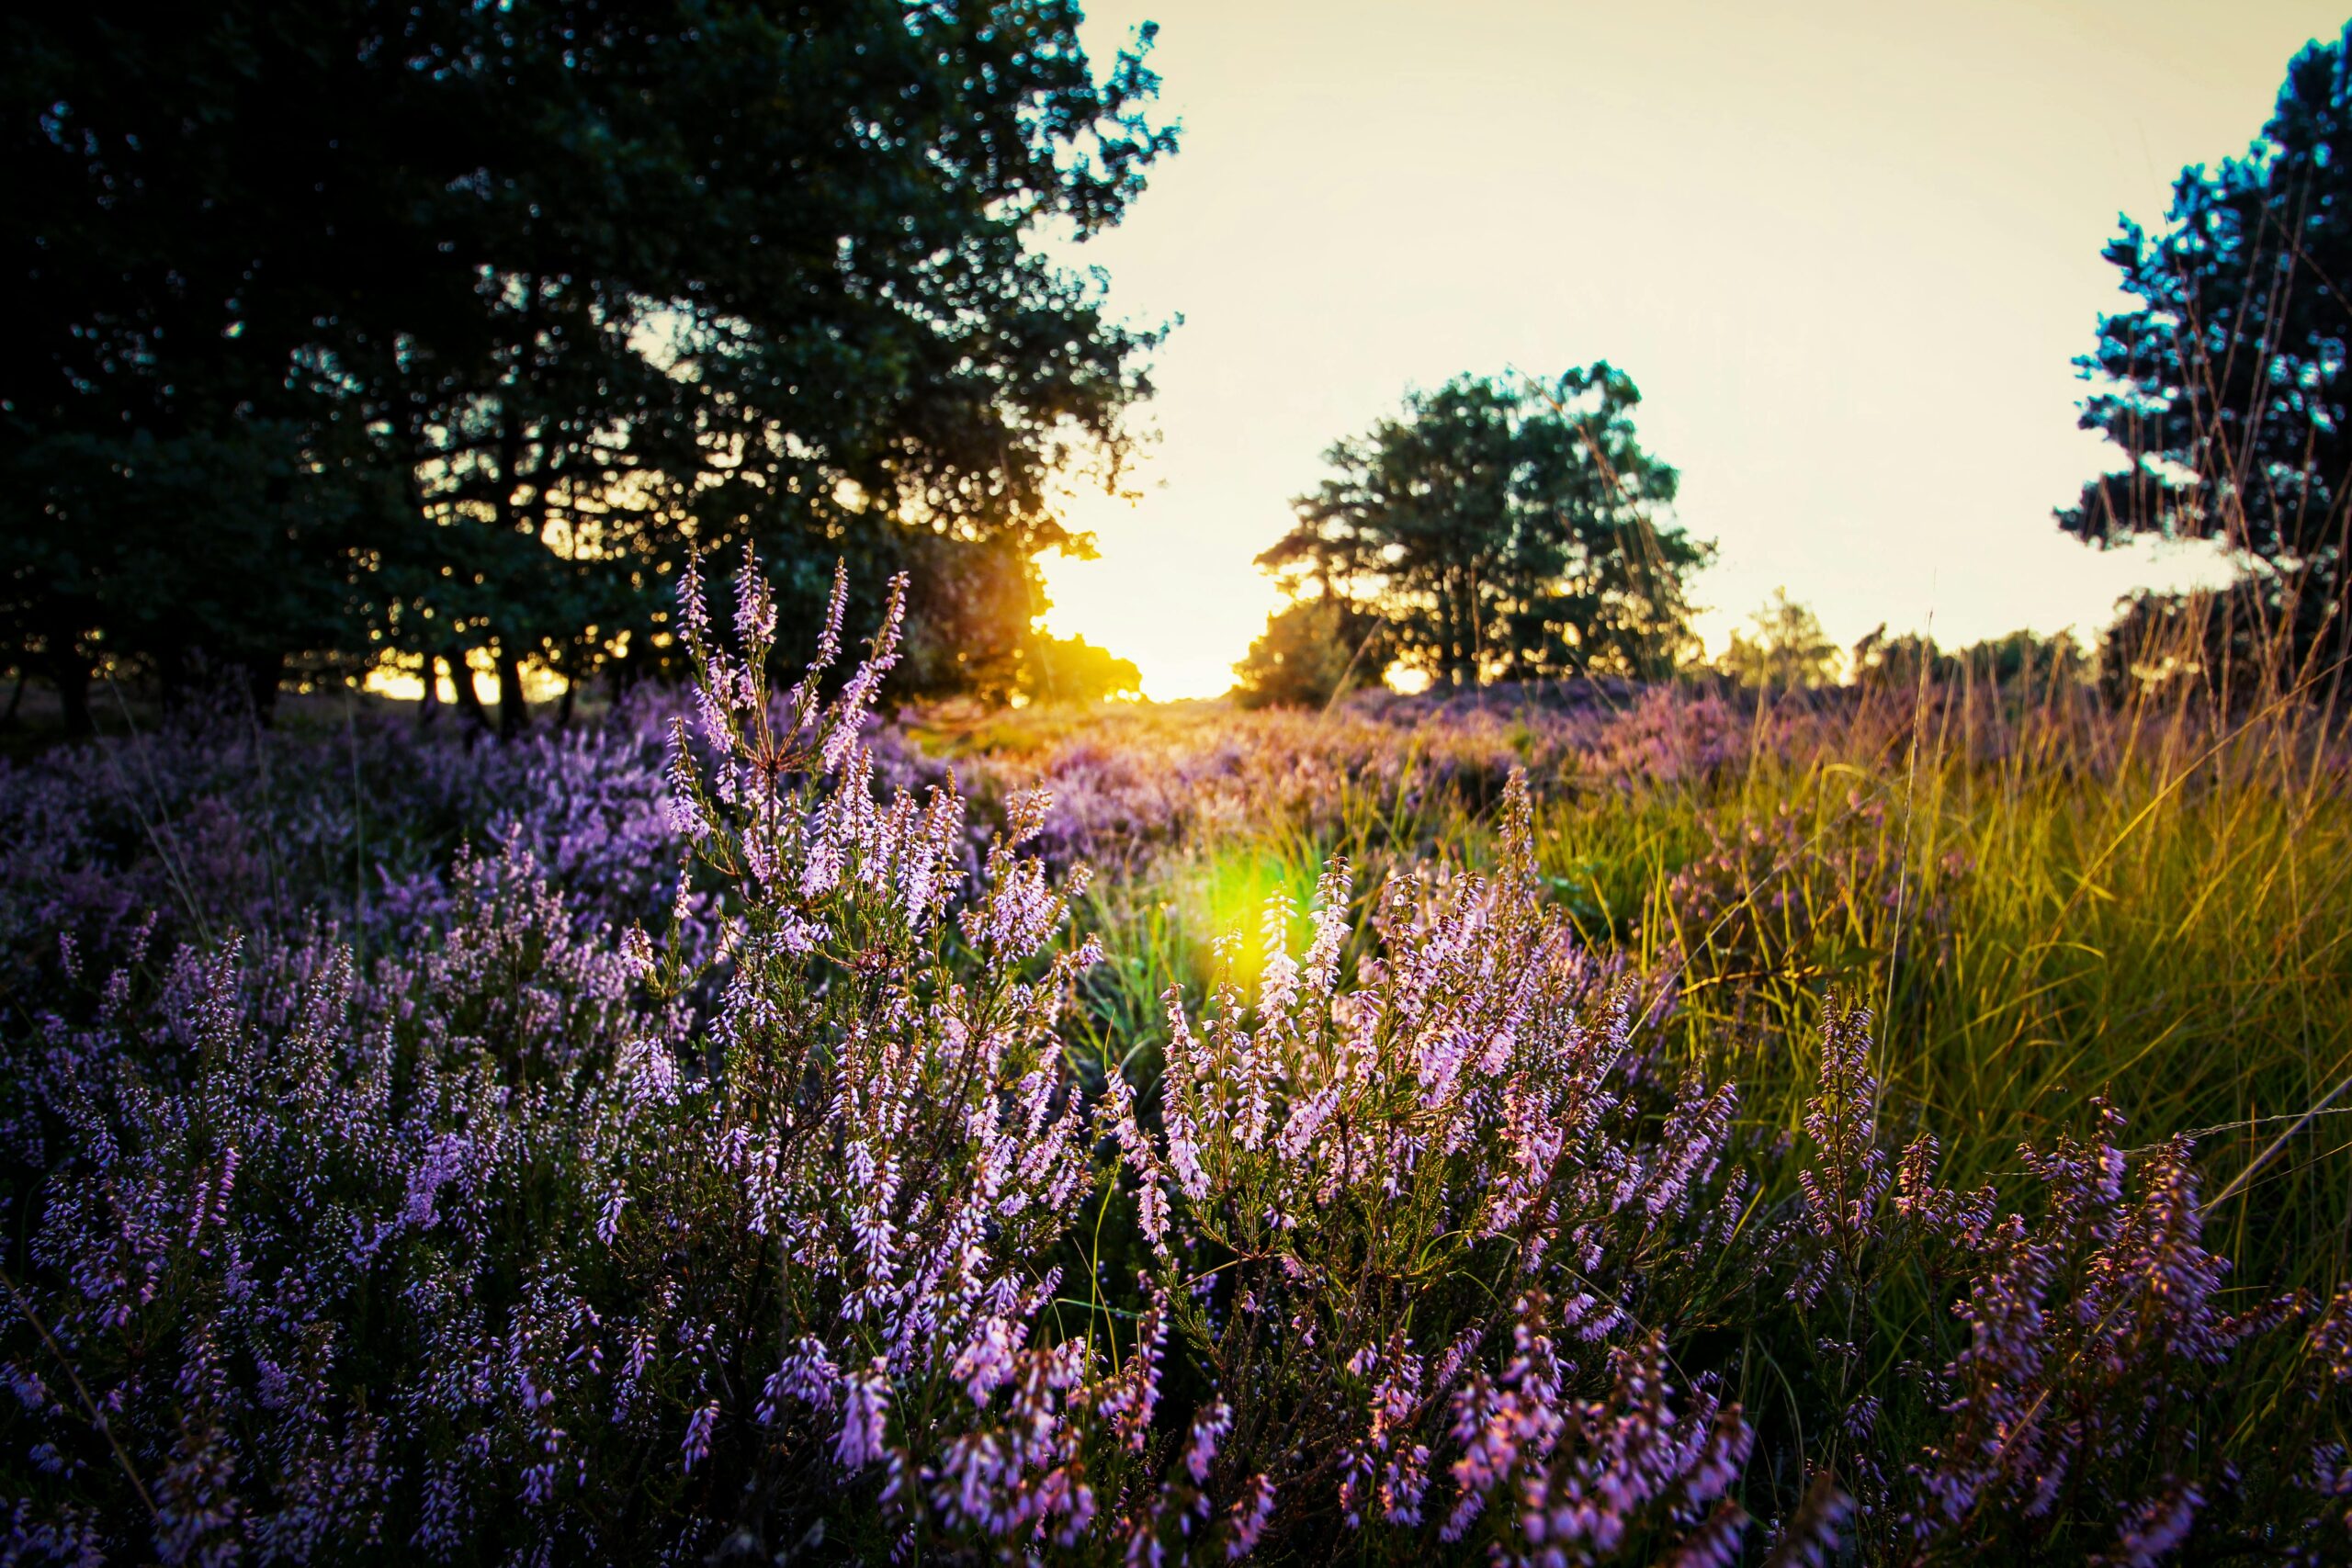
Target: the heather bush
pixel 1411 1229
pixel 730 1133
pixel 2070 1407
pixel 211 825
pixel 304 1276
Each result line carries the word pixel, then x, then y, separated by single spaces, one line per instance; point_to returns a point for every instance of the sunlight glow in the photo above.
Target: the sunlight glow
pixel 1849 251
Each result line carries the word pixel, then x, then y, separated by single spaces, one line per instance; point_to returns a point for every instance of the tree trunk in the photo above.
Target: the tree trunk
pixel 179 668
pixel 514 714
pixel 461 676
pixel 263 673
pixel 71 679
pixel 1457 634
pixel 428 707
pixel 1466 633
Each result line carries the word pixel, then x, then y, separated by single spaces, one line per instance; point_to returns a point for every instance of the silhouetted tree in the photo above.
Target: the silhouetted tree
pixel 1897 660
pixel 1072 670
pixel 1504 530
pixel 372 328
pixel 1312 650
pixel 1782 647
pixel 2025 659
pixel 2226 388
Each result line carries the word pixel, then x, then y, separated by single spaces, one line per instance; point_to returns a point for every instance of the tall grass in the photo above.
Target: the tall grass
pixel 2047 899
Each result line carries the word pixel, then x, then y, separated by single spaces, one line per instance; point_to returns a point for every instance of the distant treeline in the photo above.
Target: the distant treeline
pixel 359 334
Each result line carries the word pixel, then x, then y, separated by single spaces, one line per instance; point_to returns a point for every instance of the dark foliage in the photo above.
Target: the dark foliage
pixel 1502 531
pixel 360 331
pixel 2225 388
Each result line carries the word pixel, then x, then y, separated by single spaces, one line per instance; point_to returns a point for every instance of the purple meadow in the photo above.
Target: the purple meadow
pixel 718 1160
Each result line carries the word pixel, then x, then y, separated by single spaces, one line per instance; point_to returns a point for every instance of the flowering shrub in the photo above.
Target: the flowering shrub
pixel 209 826
pixel 1412 1228
pixel 2072 1413
pixel 1659 738
pixel 709 1168
pixel 482 1252
pixel 275 1207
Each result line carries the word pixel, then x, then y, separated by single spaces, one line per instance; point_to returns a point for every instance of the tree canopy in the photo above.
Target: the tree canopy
pixel 1503 529
pixel 2226 387
pixel 362 330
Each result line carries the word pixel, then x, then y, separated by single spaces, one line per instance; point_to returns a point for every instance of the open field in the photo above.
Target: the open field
pixel 2079 933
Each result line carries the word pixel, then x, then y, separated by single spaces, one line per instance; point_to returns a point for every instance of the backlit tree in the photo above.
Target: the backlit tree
pixel 1502 529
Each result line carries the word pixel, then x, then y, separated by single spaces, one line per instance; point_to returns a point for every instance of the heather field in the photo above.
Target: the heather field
pixel 914 781
pixel 1585 1123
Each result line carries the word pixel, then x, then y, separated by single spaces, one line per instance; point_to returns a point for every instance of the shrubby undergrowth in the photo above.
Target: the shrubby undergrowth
pixel 733 1156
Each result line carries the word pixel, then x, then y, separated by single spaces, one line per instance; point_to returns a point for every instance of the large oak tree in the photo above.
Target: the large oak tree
pixel 357 327
pixel 1503 529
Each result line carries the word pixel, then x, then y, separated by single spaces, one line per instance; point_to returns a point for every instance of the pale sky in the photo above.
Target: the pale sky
pixel 1849 252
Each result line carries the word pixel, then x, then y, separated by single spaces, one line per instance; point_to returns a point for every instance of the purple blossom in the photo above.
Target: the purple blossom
pixel 866 1412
